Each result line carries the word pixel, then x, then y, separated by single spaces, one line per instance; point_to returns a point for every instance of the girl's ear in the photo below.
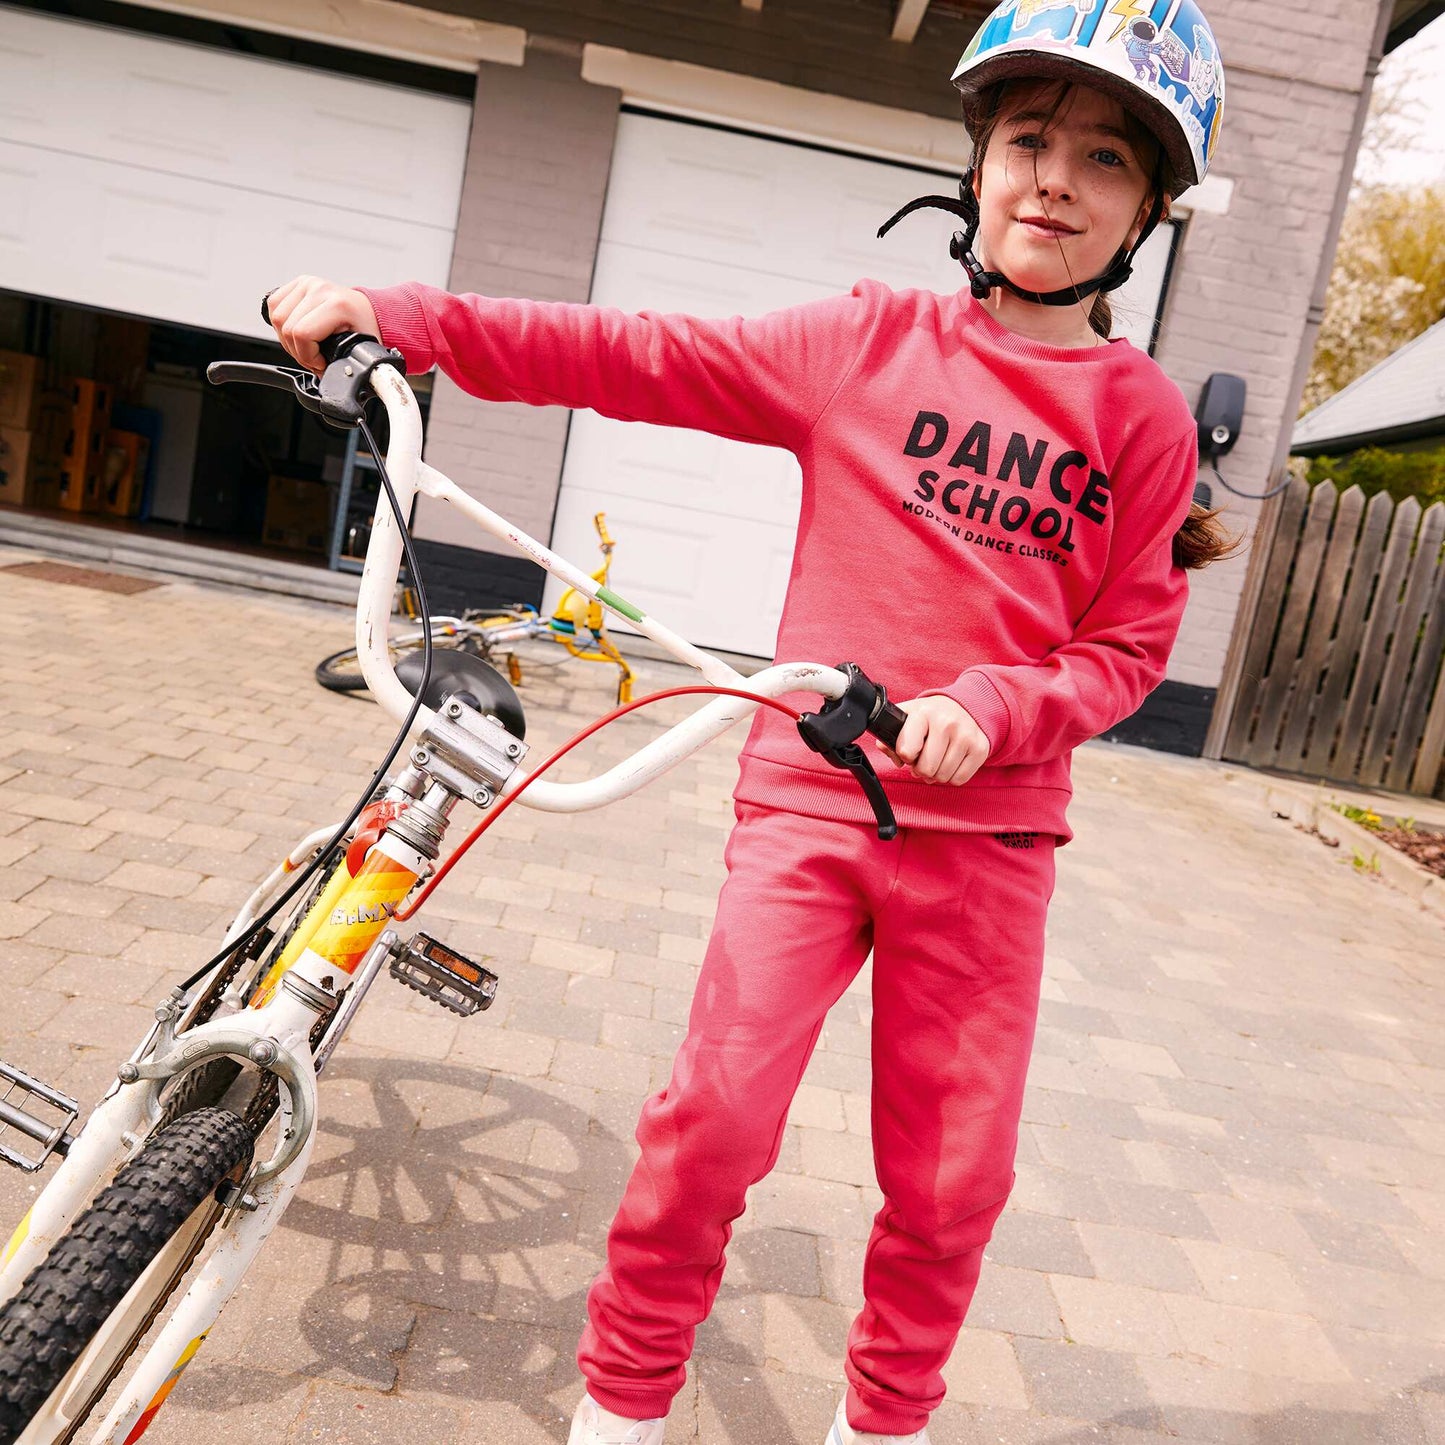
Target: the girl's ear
pixel 1139 221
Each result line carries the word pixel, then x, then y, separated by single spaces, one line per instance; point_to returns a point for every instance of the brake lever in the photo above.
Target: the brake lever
pixel 283 378
pixel 339 396
pixel 833 732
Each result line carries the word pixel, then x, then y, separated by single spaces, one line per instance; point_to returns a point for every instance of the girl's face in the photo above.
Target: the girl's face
pixel 1062 186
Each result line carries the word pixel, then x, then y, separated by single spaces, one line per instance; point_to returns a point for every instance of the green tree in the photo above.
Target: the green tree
pixel 1388 284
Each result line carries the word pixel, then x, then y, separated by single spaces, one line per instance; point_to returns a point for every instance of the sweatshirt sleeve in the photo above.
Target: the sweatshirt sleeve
pixel 1120 648
pixel 764 380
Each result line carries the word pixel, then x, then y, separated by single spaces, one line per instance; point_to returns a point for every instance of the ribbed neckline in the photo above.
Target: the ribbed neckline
pixel 972 313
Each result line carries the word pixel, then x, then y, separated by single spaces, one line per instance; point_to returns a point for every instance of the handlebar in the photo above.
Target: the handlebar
pixel 360 368
pixel 340 395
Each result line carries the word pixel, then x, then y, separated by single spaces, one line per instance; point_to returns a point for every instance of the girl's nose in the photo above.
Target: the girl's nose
pixel 1054 176
pixel 1056 184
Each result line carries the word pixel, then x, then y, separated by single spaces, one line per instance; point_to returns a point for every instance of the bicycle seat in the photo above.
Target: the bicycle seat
pixel 478 683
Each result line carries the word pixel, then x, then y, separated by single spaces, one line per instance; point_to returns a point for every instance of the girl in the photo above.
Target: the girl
pixel 994 443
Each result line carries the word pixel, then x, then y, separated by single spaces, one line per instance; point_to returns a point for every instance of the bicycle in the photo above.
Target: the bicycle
pixel 166 1181
pixel 577 623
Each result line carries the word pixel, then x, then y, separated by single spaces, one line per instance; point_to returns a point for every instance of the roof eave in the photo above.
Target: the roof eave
pixel 1406 432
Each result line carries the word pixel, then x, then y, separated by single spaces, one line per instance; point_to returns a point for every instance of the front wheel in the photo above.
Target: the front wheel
pixel 78 1317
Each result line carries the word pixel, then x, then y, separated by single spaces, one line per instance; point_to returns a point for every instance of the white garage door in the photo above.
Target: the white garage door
pixel 716 223
pixel 179 182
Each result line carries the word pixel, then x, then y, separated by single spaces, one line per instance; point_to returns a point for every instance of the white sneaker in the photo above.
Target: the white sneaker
pixel 592 1425
pixel 843 1433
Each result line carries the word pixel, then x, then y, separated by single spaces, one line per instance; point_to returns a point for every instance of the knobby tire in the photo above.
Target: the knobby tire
pixel 67 1299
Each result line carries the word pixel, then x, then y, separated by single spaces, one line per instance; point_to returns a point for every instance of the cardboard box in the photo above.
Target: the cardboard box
pixel 83 455
pixel 123 472
pixel 29 467
pixel 90 405
pixel 298 515
pixel 21 389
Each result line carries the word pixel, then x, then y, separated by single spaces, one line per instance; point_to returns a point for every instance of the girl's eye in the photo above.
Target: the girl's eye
pixel 1028 141
pixel 1111 159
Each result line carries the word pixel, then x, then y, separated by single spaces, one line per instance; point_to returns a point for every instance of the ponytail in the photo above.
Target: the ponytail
pixel 1101 316
pixel 1202 540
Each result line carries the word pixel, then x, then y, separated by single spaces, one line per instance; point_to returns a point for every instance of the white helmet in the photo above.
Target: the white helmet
pixel 1158 58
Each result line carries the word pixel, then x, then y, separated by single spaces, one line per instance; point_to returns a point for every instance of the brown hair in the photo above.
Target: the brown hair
pixel 1201 539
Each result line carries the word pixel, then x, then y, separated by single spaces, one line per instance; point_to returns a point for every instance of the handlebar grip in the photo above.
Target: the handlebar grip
pixel 327 348
pixel 888 724
pixel 333 344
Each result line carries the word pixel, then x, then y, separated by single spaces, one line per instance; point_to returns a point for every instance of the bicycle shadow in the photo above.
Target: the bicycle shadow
pixel 443 1243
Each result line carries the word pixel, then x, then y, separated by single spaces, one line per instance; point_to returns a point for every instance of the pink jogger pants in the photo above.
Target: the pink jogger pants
pixel 956 925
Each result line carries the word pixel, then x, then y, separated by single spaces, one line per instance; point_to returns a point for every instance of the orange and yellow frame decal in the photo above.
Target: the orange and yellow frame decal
pixel 149 1413
pixel 17 1239
pixel 346 920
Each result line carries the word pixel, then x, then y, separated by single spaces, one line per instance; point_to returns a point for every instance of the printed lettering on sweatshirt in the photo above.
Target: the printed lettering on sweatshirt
pixel 1011 494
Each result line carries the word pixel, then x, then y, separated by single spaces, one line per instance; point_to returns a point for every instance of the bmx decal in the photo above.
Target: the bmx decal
pixel 347 918
pixel 352 922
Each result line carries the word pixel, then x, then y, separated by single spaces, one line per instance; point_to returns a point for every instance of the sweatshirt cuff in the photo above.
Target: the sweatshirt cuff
pixel 402 323
pixel 976 694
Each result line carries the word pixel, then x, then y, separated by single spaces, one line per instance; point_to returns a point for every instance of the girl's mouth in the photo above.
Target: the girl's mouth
pixel 1043 226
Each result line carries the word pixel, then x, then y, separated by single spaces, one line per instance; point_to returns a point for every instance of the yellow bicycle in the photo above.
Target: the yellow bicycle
pixel 578 623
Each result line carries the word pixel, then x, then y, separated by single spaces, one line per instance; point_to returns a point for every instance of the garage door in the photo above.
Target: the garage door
pixel 179 182
pixel 717 223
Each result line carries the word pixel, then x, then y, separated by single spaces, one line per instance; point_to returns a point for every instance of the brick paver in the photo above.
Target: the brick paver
pixel 1229 1223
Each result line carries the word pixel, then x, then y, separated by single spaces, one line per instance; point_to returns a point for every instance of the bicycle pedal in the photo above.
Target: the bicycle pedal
pixel 444 975
pixel 48 1127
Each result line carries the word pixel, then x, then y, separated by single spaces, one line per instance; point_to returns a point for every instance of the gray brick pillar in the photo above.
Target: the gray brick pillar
pixel 531 208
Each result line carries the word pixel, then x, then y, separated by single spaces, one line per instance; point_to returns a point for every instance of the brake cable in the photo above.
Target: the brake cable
pixel 410 908
pixel 299 882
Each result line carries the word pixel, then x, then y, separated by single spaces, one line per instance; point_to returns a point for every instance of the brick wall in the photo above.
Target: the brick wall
pixel 537 167
pixel 1242 289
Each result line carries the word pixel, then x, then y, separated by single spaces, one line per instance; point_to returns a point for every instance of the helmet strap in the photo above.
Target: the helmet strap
pixel 981 281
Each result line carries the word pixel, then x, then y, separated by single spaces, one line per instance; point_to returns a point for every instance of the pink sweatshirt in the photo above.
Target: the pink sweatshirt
pixel 983 516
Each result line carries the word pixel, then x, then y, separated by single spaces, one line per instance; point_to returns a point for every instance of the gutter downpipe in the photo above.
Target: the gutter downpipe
pixel 1263 539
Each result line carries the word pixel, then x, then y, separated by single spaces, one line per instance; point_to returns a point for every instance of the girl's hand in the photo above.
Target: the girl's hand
pixel 308 310
pixel 940 742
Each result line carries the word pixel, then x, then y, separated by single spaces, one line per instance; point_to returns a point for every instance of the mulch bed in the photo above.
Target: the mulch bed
pixel 1427 849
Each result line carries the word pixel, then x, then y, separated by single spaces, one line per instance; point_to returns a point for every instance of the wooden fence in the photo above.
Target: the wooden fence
pixel 1343 675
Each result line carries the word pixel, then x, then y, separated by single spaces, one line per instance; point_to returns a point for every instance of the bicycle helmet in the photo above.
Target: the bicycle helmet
pixel 1158 58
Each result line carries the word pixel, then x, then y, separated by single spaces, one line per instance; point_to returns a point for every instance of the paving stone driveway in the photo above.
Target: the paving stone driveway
pixel 1229 1224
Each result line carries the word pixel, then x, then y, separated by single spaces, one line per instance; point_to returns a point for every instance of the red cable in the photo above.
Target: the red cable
pixel 501 807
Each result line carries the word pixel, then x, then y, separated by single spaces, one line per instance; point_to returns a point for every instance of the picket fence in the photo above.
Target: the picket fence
pixel 1343 676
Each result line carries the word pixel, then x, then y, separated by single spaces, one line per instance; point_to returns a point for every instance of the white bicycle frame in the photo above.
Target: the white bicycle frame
pixel 276 1035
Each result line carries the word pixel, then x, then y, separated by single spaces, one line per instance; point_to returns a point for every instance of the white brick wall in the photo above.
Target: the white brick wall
pixel 1242 289
pixel 537 167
